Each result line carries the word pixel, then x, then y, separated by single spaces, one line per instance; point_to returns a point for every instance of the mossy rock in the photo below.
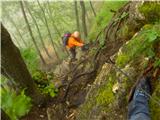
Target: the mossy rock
pixel 154 106
pixel 151 11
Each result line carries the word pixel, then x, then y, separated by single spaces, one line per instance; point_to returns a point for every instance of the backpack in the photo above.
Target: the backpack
pixel 65 38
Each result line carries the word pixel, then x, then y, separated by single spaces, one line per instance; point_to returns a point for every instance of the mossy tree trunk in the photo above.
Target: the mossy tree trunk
pixel 15 68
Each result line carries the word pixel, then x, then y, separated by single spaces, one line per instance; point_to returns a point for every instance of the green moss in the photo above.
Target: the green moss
pixel 141 44
pixel 154 107
pixel 151 11
pixel 122 60
pixel 105 94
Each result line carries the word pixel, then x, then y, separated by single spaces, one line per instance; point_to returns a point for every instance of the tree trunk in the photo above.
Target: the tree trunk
pixel 92 8
pixel 83 18
pixel 31 34
pixel 46 23
pixel 56 28
pixel 77 16
pixel 14 24
pixel 38 30
pixel 53 22
pixel 14 67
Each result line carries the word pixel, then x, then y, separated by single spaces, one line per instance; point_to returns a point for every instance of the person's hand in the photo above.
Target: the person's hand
pixel 85 47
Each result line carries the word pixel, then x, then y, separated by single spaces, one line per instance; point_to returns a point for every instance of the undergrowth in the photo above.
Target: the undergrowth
pixel 43 80
pixel 15 105
pixel 104 17
pixel 31 59
pixel 141 44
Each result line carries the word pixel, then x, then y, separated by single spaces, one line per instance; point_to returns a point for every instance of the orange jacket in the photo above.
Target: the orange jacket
pixel 72 42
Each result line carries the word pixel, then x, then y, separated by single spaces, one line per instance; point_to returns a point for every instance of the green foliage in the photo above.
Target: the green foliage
pixel 157 63
pixel 154 107
pixel 30 57
pixel 141 44
pixel 51 90
pixel 151 11
pixel 15 105
pixel 43 80
pixel 103 17
pixel 106 95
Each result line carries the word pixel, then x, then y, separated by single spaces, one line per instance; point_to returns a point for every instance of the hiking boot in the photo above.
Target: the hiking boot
pixel 142 86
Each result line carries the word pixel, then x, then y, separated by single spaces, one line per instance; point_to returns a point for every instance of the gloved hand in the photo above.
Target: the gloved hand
pixel 85 47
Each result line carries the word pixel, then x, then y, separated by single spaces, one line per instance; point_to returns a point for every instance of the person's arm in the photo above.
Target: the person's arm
pixel 80 40
pixel 76 43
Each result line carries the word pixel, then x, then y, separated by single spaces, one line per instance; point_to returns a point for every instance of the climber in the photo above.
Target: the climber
pixel 71 41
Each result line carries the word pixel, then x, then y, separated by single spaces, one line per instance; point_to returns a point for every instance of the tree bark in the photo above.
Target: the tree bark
pixel 38 30
pixel 94 12
pixel 14 67
pixel 49 33
pixel 77 15
pixel 83 18
pixel 31 34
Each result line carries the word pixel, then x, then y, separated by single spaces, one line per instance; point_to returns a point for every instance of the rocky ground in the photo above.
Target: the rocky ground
pixel 95 87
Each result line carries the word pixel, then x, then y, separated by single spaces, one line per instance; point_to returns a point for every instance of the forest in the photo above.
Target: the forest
pixel 80 60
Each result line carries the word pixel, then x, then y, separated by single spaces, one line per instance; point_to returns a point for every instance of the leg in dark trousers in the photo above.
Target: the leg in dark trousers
pixel 138 107
pixel 73 53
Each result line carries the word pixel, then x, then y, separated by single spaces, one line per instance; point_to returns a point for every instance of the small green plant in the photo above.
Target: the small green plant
pixel 51 90
pixel 43 80
pixel 15 105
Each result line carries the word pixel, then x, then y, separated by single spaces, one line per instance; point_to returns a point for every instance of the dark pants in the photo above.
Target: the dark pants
pixel 73 52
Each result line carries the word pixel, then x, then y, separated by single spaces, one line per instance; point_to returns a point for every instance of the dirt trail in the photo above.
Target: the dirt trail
pixel 73 94
pixel 73 91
